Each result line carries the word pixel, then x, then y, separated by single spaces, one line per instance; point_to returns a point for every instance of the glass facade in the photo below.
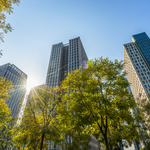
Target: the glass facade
pixel 137 64
pixel 54 65
pixel 64 58
pixel 18 78
pixel 65 62
pixel 143 42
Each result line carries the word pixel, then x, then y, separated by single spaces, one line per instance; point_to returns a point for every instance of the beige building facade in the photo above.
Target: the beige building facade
pixel 137 65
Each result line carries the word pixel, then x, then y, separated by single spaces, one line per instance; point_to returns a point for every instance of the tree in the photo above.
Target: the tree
pixel 142 120
pixel 5 115
pixel 144 111
pixel 75 139
pixel 6 6
pixel 39 123
pixel 97 98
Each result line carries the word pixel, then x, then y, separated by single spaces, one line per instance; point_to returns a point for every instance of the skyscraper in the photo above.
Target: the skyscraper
pixel 137 64
pixel 18 78
pixel 65 58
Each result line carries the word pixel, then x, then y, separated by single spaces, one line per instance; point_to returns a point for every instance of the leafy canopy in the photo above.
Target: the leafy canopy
pixel 5 115
pixel 98 98
pixel 39 123
pixel 6 6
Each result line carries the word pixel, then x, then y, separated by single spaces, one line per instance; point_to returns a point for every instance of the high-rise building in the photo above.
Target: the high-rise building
pixel 65 58
pixel 137 64
pixel 18 78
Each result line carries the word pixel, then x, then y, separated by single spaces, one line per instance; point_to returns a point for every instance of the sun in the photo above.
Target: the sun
pixel 31 82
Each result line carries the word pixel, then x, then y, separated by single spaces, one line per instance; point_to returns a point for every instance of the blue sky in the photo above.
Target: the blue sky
pixel 103 26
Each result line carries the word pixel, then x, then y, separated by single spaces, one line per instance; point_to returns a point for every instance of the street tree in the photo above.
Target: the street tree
pixel 144 111
pixel 6 6
pixel 5 115
pixel 76 140
pixel 142 120
pixel 39 124
pixel 97 98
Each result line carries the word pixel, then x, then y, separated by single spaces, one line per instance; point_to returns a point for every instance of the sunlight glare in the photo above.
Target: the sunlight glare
pixel 31 82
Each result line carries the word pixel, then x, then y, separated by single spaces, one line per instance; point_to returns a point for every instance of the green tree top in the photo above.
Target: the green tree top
pixel 5 115
pixel 98 98
pixel 39 123
pixel 5 88
pixel 6 6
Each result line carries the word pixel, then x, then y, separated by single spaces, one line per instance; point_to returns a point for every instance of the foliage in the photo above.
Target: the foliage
pixel 144 111
pixel 6 6
pixel 76 141
pixel 142 120
pixel 5 115
pixel 5 88
pixel 98 98
pixel 39 123
pixel 1 53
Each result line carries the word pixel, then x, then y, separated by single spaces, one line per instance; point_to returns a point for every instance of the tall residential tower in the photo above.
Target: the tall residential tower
pixel 65 58
pixel 137 64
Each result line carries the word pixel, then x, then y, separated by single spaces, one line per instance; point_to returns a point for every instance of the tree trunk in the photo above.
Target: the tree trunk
pixel 106 142
pixel 42 141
